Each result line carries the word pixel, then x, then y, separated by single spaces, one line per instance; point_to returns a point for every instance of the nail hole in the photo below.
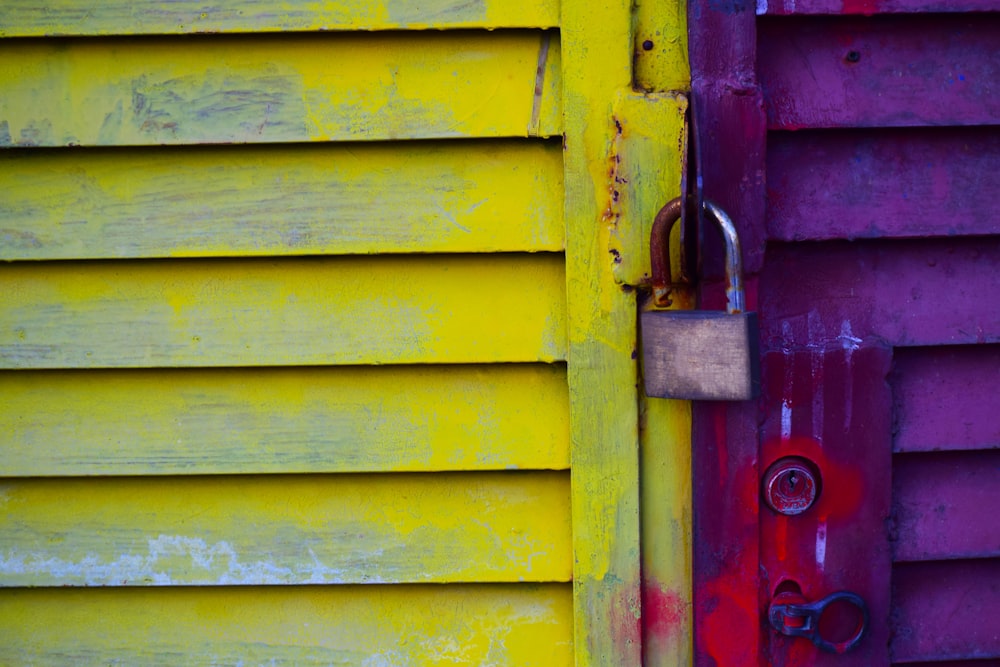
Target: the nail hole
pixel 647 45
pixel 852 56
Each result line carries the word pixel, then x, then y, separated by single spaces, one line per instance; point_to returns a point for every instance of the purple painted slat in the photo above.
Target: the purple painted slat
pixel 949 663
pixel 945 505
pixel 880 71
pixel 887 182
pixel 730 126
pixel 914 292
pixel 869 7
pixel 946 398
pixel 831 406
pixel 946 611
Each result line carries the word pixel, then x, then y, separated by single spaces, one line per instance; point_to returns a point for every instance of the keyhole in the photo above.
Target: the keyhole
pixel 791 485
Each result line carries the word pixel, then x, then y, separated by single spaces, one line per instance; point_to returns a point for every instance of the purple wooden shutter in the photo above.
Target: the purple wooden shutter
pixel 881 161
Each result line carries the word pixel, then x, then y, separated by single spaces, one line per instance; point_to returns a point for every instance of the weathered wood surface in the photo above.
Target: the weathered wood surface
pixel 134 17
pixel 271 89
pixel 601 335
pixel 946 611
pixel 256 312
pixel 932 388
pixel 275 420
pixel 870 7
pixel 304 529
pixel 830 404
pixel 358 626
pixel 477 196
pixel 882 71
pixel 882 183
pixel 917 292
pixel 945 505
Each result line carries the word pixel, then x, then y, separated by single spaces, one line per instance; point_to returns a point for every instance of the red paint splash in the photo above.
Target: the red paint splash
pixel 663 611
pixel 864 7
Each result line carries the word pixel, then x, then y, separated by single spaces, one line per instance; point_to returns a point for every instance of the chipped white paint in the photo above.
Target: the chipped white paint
pixel 821 546
pixel 200 562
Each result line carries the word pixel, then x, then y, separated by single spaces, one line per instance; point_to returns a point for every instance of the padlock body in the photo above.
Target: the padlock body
pixel 700 355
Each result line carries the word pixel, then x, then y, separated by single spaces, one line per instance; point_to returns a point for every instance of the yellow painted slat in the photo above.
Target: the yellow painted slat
pixel 266 89
pixel 280 200
pixel 665 452
pixel 273 420
pixel 124 17
pixel 601 332
pixel 255 312
pixel 404 527
pixel 361 626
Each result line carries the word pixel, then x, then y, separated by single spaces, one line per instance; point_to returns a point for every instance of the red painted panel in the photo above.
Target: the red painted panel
pixel 946 611
pixel 888 183
pixel 880 71
pixel 831 406
pixel 947 398
pixel 913 292
pixel 946 505
pixel 869 7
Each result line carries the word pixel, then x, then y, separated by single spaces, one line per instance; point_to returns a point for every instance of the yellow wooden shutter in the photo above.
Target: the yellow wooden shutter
pixel 315 345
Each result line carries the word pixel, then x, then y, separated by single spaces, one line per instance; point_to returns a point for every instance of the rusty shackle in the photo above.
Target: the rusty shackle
pixel 659 253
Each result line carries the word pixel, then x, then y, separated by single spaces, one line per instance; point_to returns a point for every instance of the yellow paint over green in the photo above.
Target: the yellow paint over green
pixel 127 17
pixel 272 420
pixel 666 527
pixel 315 87
pixel 305 529
pixel 358 626
pixel 601 328
pixel 310 311
pixel 474 196
pixel 660 46
pixel 646 174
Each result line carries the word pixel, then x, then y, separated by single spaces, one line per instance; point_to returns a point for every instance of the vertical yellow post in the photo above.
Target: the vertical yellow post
pixel 596 43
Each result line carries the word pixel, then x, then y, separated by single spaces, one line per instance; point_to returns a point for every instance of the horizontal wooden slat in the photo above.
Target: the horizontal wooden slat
pixel 946 611
pixel 266 89
pixel 358 626
pixel 126 17
pixel 881 71
pixel 270 420
pixel 309 529
pixel 916 292
pixel 946 398
pixel 869 7
pixel 887 182
pixel 372 310
pixel 944 505
pixel 281 200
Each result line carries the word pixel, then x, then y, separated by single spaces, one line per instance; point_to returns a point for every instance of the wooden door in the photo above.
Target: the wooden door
pixel 317 332
pixel 856 145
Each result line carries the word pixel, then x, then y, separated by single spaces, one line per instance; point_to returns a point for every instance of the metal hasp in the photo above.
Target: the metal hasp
pixel 817 621
pixel 695 354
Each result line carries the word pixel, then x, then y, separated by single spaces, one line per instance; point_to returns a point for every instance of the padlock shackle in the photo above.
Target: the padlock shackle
pixel 659 250
pixel 735 294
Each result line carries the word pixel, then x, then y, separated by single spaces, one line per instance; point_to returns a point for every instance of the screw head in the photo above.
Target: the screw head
pixel 791 485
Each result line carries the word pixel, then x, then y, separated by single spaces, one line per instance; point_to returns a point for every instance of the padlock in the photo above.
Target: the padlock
pixel 696 354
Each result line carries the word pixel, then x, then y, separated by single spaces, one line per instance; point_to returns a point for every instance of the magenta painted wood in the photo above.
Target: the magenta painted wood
pixel 730 126
pixel 883 183
pixel 881 71
pixel 946 611
pixel 947 505
pixel 869 7
pixel 917 292
pixel 830 405
pixel 947 398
